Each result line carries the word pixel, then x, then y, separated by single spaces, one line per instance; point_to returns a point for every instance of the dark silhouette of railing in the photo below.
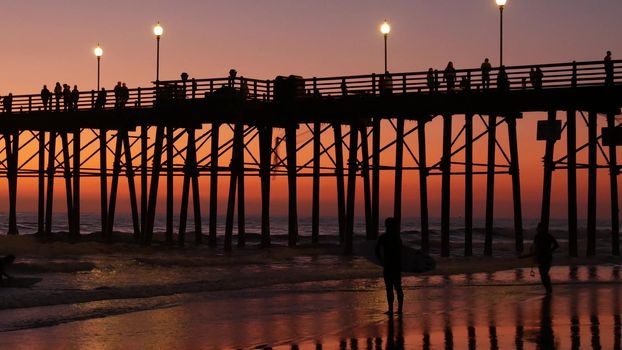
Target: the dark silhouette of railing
pixel 557 75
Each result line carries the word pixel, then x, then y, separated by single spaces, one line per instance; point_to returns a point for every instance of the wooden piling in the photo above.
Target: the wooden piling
pixel 375 186
pixel 129 174
pixel 76 184
pixel 12 151
pixel 103 179
pixel 169 182
pixel 315 207
pixel 265 151
pixel 213 195
pixel 549 166
pixel 516 193
pixel 571 146
pixel 153 186
pixel 290 145
pixel 468 184
pixel 114 185
pixel 613 179
pixel 241 193
pixel 399 160
pixel 446 185
pixel 591 183
pixel 341 205
pixel 423 185
pixel 144 146
pixel 50 186
pixel 67 176
pixel 369 230
pixel 352 167
pixel 41 185
pixel 490 184
pixel 233 180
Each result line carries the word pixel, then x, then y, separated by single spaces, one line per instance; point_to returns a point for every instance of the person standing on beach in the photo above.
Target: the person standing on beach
pixel 544 244
pixel 389 252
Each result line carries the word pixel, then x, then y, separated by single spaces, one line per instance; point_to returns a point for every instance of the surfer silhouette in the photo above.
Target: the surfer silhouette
pixel 4 263
pixel 388 250
pixel 543 245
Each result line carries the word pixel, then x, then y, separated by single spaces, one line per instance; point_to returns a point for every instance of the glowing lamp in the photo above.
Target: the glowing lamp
pixel 158 30
pixel 98 51
pixel 501 3
pixel 385 28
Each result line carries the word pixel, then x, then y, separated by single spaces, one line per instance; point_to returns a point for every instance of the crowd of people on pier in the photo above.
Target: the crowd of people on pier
pixel 51 100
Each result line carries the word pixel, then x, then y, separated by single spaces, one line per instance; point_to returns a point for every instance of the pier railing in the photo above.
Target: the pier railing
pixel 557 75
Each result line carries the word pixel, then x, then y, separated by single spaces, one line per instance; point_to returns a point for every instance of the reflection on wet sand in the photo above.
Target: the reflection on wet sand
pixel 504 310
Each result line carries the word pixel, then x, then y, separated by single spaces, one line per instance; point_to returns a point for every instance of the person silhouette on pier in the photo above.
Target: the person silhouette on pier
pixel 117 95
pixel 389 252
pixel 75 97
pixel 608 69
pixel 486 68
pixel 538 76
pixel 232 74
pixel 431 80
pixel 7 103
pixel 385 84
pixel 125 95
pixel 66 97
pixel 100 102
pixel 450 76
pixel 45 97
pixel 544 244
pixel 5 262
pixel 503 83
pixel 58 92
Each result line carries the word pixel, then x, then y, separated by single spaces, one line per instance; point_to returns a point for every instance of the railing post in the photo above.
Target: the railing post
pixel 268 91
pixel 139 99
pixel 255 90
pixel 29 103
pixel 211 86
pixel 404 83
pixel 373 83
pixel 92 98
pixel 573 82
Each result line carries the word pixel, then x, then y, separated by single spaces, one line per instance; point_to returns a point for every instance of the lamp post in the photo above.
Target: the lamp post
pixel 501 4
pixel 385 29
pixel 157 31
pixel 98 53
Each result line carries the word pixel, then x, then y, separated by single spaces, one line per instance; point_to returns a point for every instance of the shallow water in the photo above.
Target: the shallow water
pixel 501 310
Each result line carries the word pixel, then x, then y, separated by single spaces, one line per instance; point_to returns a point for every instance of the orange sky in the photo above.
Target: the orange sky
pixel 45 42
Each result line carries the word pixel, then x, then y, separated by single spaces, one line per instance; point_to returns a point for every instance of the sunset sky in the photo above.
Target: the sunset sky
pixel 48 41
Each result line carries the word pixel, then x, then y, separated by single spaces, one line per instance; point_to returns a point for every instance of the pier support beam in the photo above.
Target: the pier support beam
pixel 549 166
pixel 129 174
pixel 369 230
pixel 144 147
pixel 468 185
pixel 571 146
pixel 352 166
pixel 399 161
pixel 375 186
pixel 103 179
pixel 190 177
pixel 12 150
pixel 591 183
pixel 490 184
pixel 265 151
pixel 76 185
pixel 315 207
pixel 41 185
pixel 613 179
pixel 423 185
pixel 516 195
pixel 341 205
pixel 114 185
pixel 241 194
pixel 67 176
pixel 290 144
pixel 445 185
pixel 234 170
pixel 50 186
pixel 153 186
pixel 213 195
pixel 170 148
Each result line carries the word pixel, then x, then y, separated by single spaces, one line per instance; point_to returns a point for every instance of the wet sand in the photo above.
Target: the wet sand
pixel 502 310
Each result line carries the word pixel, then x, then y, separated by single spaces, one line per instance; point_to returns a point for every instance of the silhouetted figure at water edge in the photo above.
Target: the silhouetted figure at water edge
pixel 66 97
pixel 608 69
pixel 503 83
pixel 5 262
pixel 58 92
pixel 46 95
pixel 7 103
pixel 389 252
pixel 75 97
pixel 486 67
pixel 544 244
pixel 100 102
pixel 450 76
pixel 430 80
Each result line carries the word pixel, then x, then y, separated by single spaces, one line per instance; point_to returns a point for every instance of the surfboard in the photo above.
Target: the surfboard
pixel 20 282
pixel 413 260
